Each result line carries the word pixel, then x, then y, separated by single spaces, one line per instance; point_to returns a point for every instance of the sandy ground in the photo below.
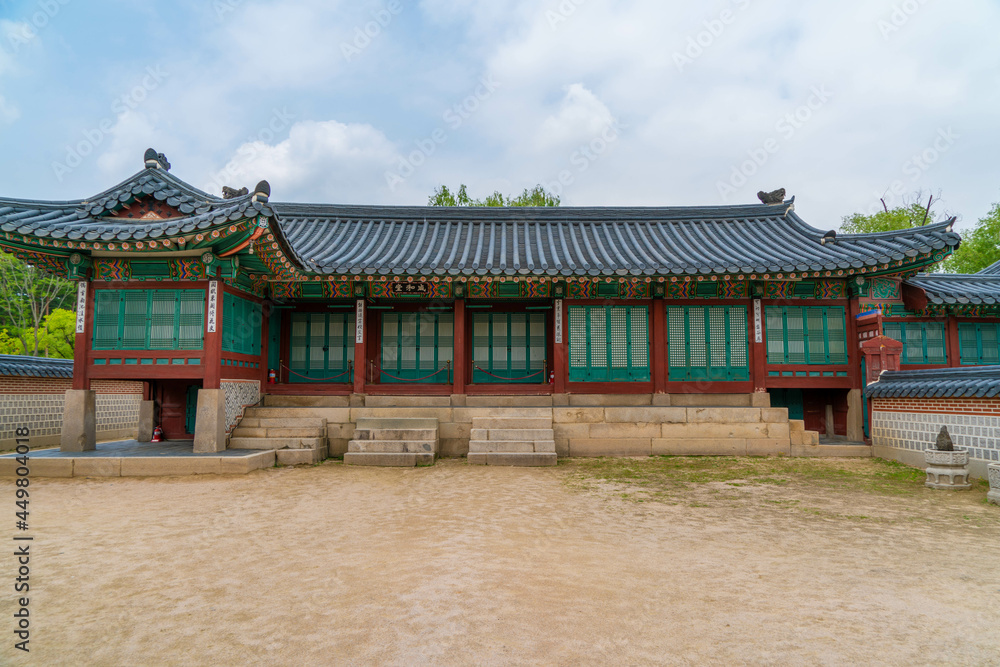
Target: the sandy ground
pixel 461 565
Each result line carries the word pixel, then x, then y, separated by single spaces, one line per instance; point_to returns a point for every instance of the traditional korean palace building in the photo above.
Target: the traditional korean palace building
pixel 213 301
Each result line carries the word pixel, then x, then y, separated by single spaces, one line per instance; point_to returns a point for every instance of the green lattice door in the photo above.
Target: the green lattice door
pixel 322 347
pixel 417 347
pixel 707 343
pixel 508 348
pixel 608 343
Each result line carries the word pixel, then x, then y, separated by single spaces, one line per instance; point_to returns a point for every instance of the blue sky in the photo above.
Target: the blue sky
pixel 628 102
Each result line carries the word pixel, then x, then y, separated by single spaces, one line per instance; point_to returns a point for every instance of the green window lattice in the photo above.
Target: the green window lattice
pixel 806 335
pixel 608 343
pixel 707 343
pixel 508 348
pixel 923 342
pixel 149 319
pixel 978 344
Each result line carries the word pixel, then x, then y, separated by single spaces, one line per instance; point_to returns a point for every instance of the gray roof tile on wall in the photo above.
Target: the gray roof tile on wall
pixel 966 382
pixel 41 367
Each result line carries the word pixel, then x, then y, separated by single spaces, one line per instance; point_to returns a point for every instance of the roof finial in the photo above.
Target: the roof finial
pixel 262 192
pixel 771 198
pixel 154 160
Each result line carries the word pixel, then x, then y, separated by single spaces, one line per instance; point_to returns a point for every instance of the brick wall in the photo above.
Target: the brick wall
pixel 957 406
pixel 32 385
pixel 914 423
pixel 37 403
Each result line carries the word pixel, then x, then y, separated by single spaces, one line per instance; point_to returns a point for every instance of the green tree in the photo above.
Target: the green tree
pixel 889 220
pixel 980 245
pixel 10 345
pixel 27 295
pixel 536 196
pixel 58 333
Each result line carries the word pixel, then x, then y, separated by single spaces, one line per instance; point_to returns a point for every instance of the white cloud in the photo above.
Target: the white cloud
pixel 328 160
pixel 581 117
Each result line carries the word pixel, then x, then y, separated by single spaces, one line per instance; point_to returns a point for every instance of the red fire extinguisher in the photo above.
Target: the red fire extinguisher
pixel 157 434
pixel 272 377
pixel 552 377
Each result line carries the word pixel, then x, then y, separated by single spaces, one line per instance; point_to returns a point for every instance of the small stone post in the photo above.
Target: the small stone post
pixel 146 421
pixel 79 429
pixel 210 421
pixel 993 472
pixel 947 467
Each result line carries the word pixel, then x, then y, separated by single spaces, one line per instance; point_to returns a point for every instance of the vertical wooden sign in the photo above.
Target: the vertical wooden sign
pixel 81 306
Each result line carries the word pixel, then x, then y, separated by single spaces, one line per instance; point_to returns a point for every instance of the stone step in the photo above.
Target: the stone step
pixel 513 459
pixel 394 460
pixel 835 451
pixel 242 432
pixel 486 446
pixel 392 446
pixel 395 433
pixel 276 443
pixel 530 434
pixel 511 446
pixel 283 422
pixel 279 401
pixel 295 457
pixel 397 423
pixel 330 414
pixel 505 423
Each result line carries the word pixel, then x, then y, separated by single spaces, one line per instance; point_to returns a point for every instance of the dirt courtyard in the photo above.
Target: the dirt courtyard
pixel 659 561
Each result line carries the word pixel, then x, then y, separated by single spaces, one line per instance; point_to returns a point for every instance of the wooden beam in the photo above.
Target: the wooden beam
pixel 360 358
pixel 81 349
pixel 560 360
pixel 460 347
pixel 658 342
pixel 213 341
pixel 951 342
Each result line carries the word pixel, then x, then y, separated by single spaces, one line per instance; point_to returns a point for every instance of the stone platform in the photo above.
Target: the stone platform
pixel 130 458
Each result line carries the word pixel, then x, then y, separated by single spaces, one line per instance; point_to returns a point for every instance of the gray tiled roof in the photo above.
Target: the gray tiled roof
pixel 956 288
pixel 79 219
pixel 40 367
pixel 971 381
pixel 584 241
pixel 991 270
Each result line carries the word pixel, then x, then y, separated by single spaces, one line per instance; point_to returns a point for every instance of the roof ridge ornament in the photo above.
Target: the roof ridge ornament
pixel 154 160
pixel 262 192
pixel 829 237
pixel 772 198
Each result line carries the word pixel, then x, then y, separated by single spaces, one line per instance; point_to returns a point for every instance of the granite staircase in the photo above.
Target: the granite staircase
pixel 396 442
pixel 512 441
pixel 295 439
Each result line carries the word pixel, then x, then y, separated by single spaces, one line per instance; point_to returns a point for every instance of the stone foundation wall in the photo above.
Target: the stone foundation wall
pixel 37 403
pixel 902 428
pixel 584 425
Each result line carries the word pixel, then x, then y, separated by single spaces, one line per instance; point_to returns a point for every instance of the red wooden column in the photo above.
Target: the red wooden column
pixel 460 348
pixel 213 337
pixel 84 334
pixel 659 344
pixel 560 348
pixel 265 345
pixel 951 342
pixel 360 358
pixel 758 346
pixel 853 344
